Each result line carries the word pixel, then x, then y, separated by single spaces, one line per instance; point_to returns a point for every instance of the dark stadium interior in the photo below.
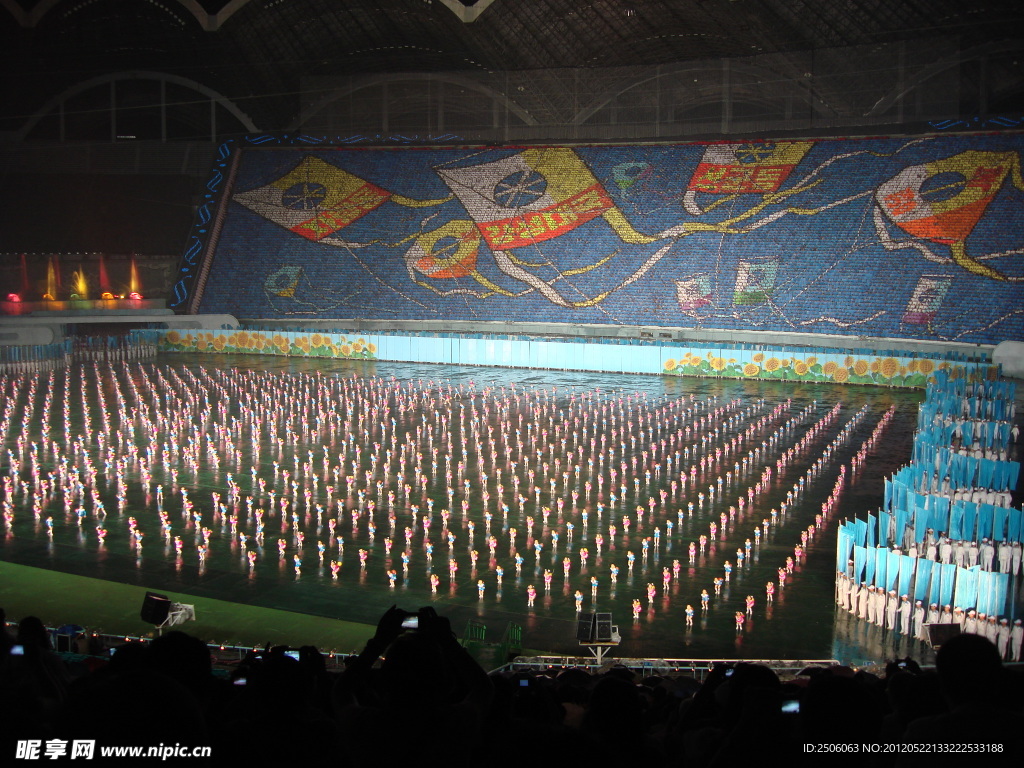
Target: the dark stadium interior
pixel 858 350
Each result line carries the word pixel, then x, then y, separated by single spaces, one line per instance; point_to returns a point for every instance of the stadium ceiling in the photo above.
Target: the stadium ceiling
pixel 258 53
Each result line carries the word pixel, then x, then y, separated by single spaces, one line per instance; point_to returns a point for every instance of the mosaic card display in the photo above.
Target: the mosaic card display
pixel 907 237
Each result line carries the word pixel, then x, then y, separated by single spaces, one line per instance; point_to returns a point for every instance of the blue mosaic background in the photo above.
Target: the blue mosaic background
pixel 815 237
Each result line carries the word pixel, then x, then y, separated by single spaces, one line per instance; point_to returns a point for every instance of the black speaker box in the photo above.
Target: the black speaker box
pixel 940 633
pixel 155 608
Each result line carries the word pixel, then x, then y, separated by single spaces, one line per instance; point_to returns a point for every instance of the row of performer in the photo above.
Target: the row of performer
pixel 1001 557
pixel 898 614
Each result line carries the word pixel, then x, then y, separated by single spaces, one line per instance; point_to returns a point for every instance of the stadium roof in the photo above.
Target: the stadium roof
pixel 260 54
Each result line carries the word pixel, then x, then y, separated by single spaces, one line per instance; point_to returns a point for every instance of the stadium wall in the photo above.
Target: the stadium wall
pixel 803 364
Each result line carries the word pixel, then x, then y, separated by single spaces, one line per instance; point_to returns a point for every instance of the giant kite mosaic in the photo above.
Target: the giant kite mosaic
pixel 896 237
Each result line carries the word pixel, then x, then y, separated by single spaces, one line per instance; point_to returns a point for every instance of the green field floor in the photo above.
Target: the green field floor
pixel 113 609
